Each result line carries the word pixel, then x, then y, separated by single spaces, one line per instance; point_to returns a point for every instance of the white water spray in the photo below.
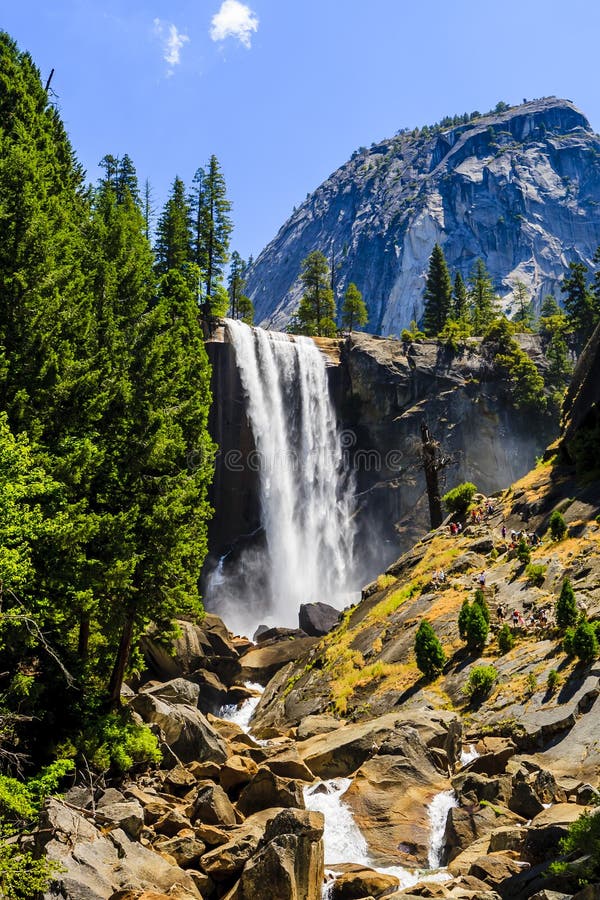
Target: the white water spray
pixel 241 715
pixel 438 811
pixel 305 492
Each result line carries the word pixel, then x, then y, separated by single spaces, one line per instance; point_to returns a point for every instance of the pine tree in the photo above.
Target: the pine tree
pixel 236 283
pixel 354 311
pixel 428 651
pixel 437 294
pixel 580 303
pixel 585 642
pixel 523 315
pixel 482 299
pixel 148 209
pixel 477 628
pixel 481 602
pixel 174 232
pixel 566 606
pixel 316 312
pixel 460 300
pixel 211 227
pixel 463 619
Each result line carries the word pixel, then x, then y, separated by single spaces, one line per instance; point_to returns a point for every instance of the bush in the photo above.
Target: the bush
pixel 523 551
pixel 428 650
pixel 457 500
pixel 481 602
pixel 531 683
pixel 21 876
pixel 583 841
pixel 567 643
pixel 585 643
pixel 536 573
pixel 506 640
pixel 558 526
pixel 463 618
pixel 552 681
pixel 114 743
pixel 477 628
pixel 22 801
pixel 480 681
pixel 566 606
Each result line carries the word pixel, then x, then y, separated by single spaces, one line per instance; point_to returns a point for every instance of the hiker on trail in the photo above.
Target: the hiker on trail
pixel 503 532
pixel 481 579
pixel 500 612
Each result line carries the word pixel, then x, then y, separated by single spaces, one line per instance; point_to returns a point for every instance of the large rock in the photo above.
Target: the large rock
pixel 267 790
pixel 290 863
pixel 361 882
pixel 94 865
pixel 184 728
pixel 260 664
pixel 212 806
pixel 317 619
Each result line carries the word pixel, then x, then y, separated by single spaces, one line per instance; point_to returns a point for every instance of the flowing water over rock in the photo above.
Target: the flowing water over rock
pixel 242 714
pixel 438 813
pixel 305 488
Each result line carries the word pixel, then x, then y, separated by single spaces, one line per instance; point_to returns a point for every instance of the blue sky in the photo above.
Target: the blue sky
pixel 283 91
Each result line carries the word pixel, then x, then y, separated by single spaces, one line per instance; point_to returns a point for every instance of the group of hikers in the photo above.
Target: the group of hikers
pixel 537 619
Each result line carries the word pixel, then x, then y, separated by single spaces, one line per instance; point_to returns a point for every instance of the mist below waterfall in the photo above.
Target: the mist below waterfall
pixel 306 489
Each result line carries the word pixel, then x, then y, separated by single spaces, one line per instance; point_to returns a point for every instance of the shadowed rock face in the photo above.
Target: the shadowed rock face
pixel 520 189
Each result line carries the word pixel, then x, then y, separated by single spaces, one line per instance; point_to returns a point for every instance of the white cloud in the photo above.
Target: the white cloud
pixel 234 19
pixel 172 40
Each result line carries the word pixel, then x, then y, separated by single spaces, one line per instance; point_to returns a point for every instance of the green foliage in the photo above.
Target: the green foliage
pixel 457 500
pixel 566 606
pixel 460 301
pixel 536 573
pixel 437 294
pixel 411 334
pixel 22 801
pixel 316 312
pixel 523 317
pixel 211 228
pixel 558 526
pixel 463 619
pixel 523 552
pixel 482 299
pixel 240 306
pixel 582 303
pixel 531 683
pixel 506 640
pixel 527 389
pixel 354 311
pixel 552 680
pixel 583 842
pixel 585 642
pixel 113 743
pixel 480 601
pixel 567 642
pixel 477 629
pixel 428 651
pixel 23 877
pixel 174 231
pixel 480 682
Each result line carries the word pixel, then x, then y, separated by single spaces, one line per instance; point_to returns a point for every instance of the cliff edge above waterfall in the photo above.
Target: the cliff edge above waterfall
pixel 519 188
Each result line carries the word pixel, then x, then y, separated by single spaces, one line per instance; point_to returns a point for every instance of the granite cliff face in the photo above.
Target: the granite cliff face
pixel 521 189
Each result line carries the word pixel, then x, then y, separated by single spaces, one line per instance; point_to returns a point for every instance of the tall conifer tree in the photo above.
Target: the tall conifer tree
pixel 174 232
pixel 437 294
pixel 482 299
pixel 211 227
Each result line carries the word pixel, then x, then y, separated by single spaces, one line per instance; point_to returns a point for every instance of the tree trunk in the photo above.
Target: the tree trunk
pixel 84 635
pixel 118 672
pixel 430 464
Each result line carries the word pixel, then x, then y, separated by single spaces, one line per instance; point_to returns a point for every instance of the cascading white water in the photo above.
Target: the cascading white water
pixel 242 714
pixel 305 493
pixel 438 811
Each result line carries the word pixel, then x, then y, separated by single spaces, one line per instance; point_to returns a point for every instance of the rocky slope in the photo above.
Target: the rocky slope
pixel 520 189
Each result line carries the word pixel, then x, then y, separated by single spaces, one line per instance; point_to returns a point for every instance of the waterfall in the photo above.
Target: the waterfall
pixel 305 489
pixel 439 808
pixel 242 714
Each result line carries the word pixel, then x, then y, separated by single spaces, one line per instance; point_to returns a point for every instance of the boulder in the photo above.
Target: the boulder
pixel 319 724
pixel 171 823
pixel 317 619
pixel 290 863
pixel 125 814
pixel 261 663
pixel 185 849
pixel 178 692
pixel 185 730
pixel 179 781
pixel 237 771
pixel 212 692
pixel 465 825
pixel 524 801
pixel 95 865
pixel 289 765
pixel 362 882
pixel 267 790
pixel 494 868
pixel 212 806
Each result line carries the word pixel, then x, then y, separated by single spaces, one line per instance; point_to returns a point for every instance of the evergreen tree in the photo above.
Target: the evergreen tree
pixel 482 299
pixel 463 619
pixel 174 232
pixel 236 284
pixel 506 639
pixel 246 310
pixel 481 602
pixel 148 209
pixel 211 227
pixel 316 312
pixel 585 642
pixel 477 628
pixel 437 294
pixel 460 300
pixel 354 311
pixel 523 315
pixel 580 305
pixel 566 606
pixel 428 651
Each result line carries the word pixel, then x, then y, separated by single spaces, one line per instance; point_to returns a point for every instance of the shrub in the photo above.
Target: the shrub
pixel 531 683
pixel 567 643
pixel 481 602
pixel 463 618
pixel 21 801
pixel 536 573
pixel 112 743
pixel 506 640
pixel 585 643
pixel 523 551
pixel 457 500
pixel 552 681
pixel 21 876
pixel 477 628
pixel 428 650
pixel 480 681
pixel 558 526
pixel 566 606
pixel 582 841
